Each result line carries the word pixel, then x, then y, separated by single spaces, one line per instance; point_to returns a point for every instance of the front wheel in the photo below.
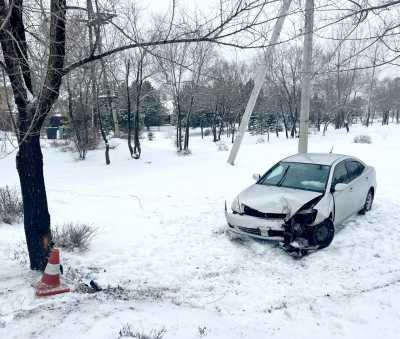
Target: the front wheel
pixel 322 234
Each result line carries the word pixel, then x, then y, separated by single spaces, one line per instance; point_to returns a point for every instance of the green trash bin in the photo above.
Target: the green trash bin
pixel 61 132
pixel 52 132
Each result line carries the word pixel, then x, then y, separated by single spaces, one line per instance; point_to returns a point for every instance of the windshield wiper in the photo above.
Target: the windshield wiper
pixel 283 177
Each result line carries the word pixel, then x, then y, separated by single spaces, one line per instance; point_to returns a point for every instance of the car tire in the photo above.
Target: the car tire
pixel 322 234
pixel 368 202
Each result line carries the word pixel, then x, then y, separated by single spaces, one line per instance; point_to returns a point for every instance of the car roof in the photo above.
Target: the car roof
pixel 316 158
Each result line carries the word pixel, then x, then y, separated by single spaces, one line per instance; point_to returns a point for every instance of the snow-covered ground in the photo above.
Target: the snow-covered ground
pixel 162 250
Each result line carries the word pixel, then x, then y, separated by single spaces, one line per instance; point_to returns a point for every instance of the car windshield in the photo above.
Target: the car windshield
pixel 310 177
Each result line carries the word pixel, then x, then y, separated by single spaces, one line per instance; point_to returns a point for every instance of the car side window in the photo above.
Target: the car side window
pixel 340 174
pixel 354 168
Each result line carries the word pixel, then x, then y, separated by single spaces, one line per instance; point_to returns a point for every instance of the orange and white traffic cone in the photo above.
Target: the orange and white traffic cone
pixel 51 283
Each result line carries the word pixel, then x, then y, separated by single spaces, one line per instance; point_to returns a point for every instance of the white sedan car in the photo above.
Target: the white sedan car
pixel 302 199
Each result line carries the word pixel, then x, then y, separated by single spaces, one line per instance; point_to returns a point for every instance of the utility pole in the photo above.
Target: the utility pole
pixel 307 75
pixel 259 81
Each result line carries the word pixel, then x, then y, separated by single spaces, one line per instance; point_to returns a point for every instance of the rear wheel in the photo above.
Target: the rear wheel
pixel 368 202
pixel 322 234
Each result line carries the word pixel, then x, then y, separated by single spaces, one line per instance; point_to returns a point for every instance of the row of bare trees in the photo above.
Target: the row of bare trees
pixel 111 94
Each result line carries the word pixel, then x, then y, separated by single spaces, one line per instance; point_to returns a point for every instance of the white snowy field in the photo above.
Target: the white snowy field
pixel 162 251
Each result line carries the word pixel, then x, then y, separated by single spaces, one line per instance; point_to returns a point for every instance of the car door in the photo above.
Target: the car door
pixel 358 184
pixel 343 204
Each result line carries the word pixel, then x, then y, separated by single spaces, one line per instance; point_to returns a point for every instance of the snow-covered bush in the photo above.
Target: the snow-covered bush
pixel 73 236
pixel 11 207
pixel 128 332
pixel 362 139
pixel 222 147
pixel 260 140
pixel 185 152
pixel 203 331
pixel 19 253
pixel 207 132
pixel 63 145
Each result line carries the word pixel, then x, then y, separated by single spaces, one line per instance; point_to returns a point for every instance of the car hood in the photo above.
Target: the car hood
pixel 273 199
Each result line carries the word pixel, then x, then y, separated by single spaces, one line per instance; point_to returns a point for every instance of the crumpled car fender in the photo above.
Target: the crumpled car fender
pixel 324 208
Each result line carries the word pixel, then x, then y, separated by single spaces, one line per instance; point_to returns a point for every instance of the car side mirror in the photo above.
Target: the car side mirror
pixel 256 176
pixel 340 187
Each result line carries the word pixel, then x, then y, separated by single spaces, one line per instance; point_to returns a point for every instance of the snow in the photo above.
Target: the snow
pixel 161 238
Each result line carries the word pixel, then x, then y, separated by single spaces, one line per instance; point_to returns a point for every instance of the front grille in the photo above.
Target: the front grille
pixel 254 213
pixel 255 231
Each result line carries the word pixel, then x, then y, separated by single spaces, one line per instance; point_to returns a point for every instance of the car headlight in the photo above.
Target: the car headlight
pixel 306 217
pixel 236 206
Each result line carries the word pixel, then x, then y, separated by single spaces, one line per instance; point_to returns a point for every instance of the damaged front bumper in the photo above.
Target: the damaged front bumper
pixel 260 228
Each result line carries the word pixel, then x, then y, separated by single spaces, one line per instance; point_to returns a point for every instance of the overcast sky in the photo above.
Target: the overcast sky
pixel 208 7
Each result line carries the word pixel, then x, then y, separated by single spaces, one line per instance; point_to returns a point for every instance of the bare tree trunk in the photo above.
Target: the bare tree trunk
pixel 102 130
pixel 371 88
pixel 325 128
pixel 177 135
pixel 285 125
pixel 221 128
pixel 90 18
pixel 179 127
pixel 346 122
pixel 373 116
pixel 128 107
pixel 214 125
pixel 137 149
pixel 385 117
pixel 293 131
pixel 187 126
pixel 95 94
pixel 109 100
pixel 36 215
pixel 78 129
